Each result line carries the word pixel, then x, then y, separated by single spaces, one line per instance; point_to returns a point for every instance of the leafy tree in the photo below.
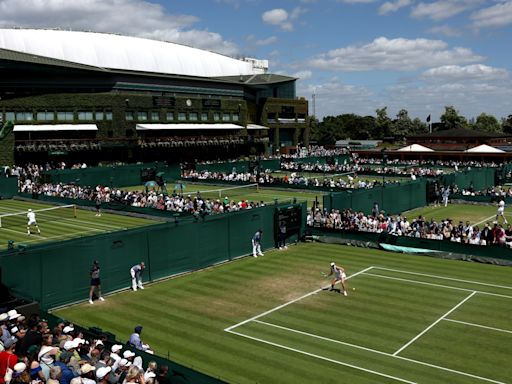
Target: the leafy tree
pixel 506 124
pixel 419 127
pixel 451 119
pixel 487 123
pixel 383 123
pixel 402 126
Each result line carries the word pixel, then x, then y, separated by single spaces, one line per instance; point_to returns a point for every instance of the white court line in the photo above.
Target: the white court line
pixel 228 329
pixel 21 232
pixel 478 325
pixel 434 323
pixel 438 285
pixel 379 352
pixel 445 278
pixel 322 357
pixel 70 235
pixel 484 220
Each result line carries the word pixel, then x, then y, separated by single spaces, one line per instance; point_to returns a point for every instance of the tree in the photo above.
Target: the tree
pixel 383 123
pixel 487 123
pixel 402 126
pixel 451 119
pixel 419 127
pixel 506 124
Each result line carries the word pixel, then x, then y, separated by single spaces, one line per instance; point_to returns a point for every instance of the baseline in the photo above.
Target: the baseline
pixel 479 325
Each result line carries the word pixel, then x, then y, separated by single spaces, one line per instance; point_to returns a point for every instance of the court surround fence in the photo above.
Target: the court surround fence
pixel 56 274
pixel 8 187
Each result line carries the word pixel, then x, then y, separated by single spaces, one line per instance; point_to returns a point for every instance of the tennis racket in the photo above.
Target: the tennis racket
pixel 323 274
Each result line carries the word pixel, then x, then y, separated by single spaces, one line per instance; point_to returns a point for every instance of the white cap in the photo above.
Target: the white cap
pixel 13 314
pixel 116 348
pixel 127 354
pixel 70 344
pixel 332 264
pixel 68 328
pixel 124 363
pixel 102 372
pixel 20 367
pixel 29 210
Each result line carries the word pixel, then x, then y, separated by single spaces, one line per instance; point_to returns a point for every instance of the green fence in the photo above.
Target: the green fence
pixel 56 274
pixel 392 198
pixel 226 167
pixel 478 178
pixel 8 187
pixel 116 176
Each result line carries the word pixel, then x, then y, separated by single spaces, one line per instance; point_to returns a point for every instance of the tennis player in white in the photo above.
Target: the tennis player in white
pixel 32 222
pixel 501 211
pixel 339 276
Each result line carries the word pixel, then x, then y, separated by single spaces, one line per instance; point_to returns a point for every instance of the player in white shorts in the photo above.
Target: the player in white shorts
pixel 31 217
pixel 339 276
pixel 501 211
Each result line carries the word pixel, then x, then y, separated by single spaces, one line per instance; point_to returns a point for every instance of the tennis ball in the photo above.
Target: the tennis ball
pixel 353 289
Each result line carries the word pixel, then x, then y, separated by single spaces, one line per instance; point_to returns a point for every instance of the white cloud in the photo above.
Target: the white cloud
pixel 282 18
pixel 443 9
pixel 303 75
pixel 268 41
pixel 479 72
pixel 130 17
pixel 497 15
pixel 393 55
pixel 393 6
pixel 445 30
pixel 275 16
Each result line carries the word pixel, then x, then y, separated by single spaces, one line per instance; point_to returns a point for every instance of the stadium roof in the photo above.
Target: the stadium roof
pixel 117 52
pixel 55 127
pixel 460 133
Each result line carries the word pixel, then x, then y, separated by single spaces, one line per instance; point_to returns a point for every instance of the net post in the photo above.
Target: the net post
pixel 257 187
pixel 74 211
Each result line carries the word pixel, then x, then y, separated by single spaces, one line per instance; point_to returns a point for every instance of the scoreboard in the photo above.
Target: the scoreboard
pixel 291 216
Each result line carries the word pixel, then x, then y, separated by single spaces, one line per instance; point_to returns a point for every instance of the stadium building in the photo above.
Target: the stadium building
pixel 85 96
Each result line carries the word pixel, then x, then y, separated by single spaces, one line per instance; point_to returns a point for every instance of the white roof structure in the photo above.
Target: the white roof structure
pixel 126 53
pixel 255 127
pixel 415 148
pixel 155 127
pixel 484 148
pixel 55 127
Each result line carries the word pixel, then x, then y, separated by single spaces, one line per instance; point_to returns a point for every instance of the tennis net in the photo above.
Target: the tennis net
pixel 240 191
pixel 42 215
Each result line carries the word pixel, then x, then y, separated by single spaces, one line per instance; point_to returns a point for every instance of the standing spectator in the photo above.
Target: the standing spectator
pixel 136 273
pixel 95 281
pixel 375 209
pixel 256 243
pixel 445 193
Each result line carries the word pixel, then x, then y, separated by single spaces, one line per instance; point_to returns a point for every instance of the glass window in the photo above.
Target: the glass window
pixel 45 116
pixel 108 115
pixel 182 116
pixel 85 115
pixel 169 116
pixel 9 116
pixel 155 116
pixel 128 115
pixel 142 116
pixel 100 115
pixel 204 116
pixel 65 116
pixel 226 117
pixel 24 116
pixel 216 116
pixel 192 116
pixel 236 117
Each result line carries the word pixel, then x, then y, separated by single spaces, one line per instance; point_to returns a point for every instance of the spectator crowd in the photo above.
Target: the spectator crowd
pixel 31 352
pixel 399 225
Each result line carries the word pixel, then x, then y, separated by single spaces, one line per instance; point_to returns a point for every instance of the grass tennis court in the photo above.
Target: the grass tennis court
pixel 411 319
pixel 249 193
pixel 62 224
pixel 475 214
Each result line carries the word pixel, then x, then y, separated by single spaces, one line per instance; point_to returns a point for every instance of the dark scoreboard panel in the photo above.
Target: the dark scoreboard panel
pixel 291 215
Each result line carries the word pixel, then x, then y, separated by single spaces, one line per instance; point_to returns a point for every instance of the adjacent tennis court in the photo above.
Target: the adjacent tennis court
pixel 57 222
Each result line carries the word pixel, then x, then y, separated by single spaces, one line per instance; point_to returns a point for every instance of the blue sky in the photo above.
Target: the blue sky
pixel 355 55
